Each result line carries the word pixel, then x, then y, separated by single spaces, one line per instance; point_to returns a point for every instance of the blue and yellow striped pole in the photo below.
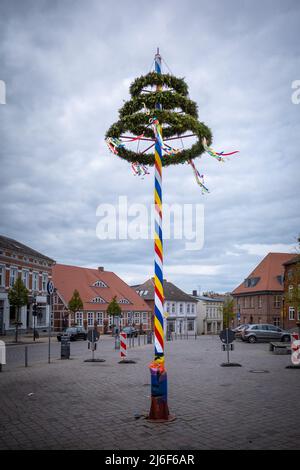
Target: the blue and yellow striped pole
pixel 159 393
pixel 158 243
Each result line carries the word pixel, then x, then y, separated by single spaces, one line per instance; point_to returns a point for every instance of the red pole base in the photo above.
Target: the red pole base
pixel 159 411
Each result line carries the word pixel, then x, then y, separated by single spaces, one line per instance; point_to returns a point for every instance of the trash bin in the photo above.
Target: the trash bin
pixel 149 337
pixel 65 347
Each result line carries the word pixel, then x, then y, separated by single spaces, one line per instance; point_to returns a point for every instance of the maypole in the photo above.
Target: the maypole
pixel 157 99
pixel 159 399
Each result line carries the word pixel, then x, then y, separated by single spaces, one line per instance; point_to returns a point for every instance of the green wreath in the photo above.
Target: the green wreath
pixel 183 118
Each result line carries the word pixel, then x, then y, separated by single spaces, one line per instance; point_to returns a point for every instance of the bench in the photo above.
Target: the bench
pixel 280 348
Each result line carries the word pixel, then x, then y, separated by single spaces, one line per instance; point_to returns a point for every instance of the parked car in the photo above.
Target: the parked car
pixel 74 333
pixel 264 332
pixel 130 331
pixel 239 329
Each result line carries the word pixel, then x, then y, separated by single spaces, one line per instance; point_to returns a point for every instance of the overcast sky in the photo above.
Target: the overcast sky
pixel 67 66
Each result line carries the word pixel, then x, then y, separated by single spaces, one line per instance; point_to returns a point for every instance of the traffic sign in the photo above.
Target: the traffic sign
pixel 227 336
pixel 50 287
pixel 93 335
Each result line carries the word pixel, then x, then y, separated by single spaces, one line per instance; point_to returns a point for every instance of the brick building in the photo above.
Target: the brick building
pixel 97 288
pixel 291 301
pixel 180 308
pixel 259 298
pixel 35 270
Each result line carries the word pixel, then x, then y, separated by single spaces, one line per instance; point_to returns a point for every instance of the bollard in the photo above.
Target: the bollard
pixel 2 354
pixel 144 338
pixel 139 340
pixel 123 349
pixel 26 356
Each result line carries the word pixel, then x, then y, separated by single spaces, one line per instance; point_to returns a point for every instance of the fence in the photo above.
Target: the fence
pixel 26 355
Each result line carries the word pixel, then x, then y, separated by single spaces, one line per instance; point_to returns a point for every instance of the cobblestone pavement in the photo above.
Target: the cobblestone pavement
pixel 75 405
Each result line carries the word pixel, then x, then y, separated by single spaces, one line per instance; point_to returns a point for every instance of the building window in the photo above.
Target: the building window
pixel 124 301
pixel 190 325
pixel 98 300
pixel 99 284
pixel 193 308
pixel 291 313
pixel 291 288
pixel 168 307
pixel 277 301
pixel 78 318
pixel 12 314
pixel 41 317
pixel 35 281
pixel 99 317
pixel 145 318
pixel 276 321
pixel 137 318
pixel 252 302
pixel 44 282
pixel 180 308
pixel 13 274
pixel 259 301
pixel 2 276
pixel 25 278
pixel 90 318
pixel 173 308
pixel 188 308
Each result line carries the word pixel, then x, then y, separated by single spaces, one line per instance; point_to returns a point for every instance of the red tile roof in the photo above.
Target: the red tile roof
pixel 267 271
pixel 68 278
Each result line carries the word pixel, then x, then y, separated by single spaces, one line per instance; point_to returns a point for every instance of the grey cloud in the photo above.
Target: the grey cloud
pixel 68 65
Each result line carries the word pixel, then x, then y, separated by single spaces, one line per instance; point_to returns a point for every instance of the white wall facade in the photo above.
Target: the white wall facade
pixel 209 316
pixel 181 317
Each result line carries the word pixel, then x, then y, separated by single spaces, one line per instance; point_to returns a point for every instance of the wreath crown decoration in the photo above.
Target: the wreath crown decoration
pixel 176 118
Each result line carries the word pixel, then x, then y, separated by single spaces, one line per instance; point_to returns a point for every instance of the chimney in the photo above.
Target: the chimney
pixel 194 293
pixel 101 268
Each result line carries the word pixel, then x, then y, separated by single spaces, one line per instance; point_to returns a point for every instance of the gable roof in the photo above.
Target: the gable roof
pixel 266 274
pixel 17 247
pixel 68 278
pixel 171 292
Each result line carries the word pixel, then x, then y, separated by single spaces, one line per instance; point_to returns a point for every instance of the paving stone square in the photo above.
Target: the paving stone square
pixel 71 404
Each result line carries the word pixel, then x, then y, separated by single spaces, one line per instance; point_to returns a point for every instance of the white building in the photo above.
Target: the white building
pixel 18 260
pixel 180 309
pixel 209 315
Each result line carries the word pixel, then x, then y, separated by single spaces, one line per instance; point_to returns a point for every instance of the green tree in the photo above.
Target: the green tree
pixel 114 310
pixel 75 303
pixel 228 313
pixel 18 297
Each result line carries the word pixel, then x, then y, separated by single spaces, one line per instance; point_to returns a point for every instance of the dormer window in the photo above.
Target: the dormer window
pixel 124 301
pixel 99 284
pixel 251 281
pixel 98 300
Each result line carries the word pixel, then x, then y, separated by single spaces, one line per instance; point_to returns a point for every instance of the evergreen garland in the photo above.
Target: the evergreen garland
pixel 178 116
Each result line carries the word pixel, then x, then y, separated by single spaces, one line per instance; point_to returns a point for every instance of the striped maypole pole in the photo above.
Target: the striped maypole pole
pixel 159 410
pixel 158 242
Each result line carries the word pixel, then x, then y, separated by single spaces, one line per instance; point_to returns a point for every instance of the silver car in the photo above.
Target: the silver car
pixel 264 332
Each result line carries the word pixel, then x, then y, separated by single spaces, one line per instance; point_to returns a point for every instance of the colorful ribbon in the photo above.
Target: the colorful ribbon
pixel 218 155
pixel 199 178
pixel 139 170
